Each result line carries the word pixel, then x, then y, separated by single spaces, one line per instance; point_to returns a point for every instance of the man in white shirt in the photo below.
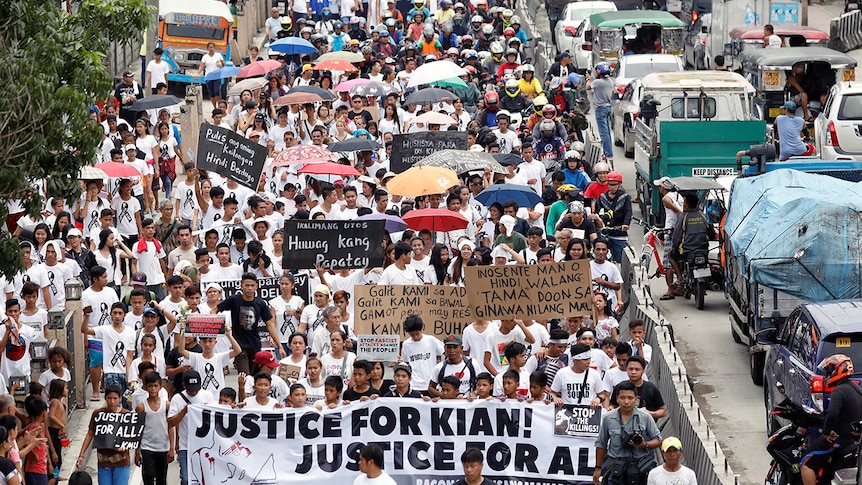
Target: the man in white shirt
pixel 400 272
pixel 606 276
pixel 506 138
pixel 193 394
pixel 225 269
pixel 532 169
pixel 157 71
pixel 151 259
pixel 371 465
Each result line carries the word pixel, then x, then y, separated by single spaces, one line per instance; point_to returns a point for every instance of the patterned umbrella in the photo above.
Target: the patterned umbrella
pixel 371 88
pixel 301 154
pixel 335 65
pixel 348 85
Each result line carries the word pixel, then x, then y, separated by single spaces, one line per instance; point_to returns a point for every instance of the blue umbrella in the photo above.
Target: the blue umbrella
pixel 223 73
pixel 292 46
pixel 393 223
pixel 523 195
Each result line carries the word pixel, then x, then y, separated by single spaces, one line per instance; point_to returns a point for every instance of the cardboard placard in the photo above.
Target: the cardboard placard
pixel 577 420
pixel 202 325
pixel 381 310
pixel 334 244
pixel 230 155
pixel 530 291
pixel 290 373
pixel 409 149
pixel 118 430
pixel 378 348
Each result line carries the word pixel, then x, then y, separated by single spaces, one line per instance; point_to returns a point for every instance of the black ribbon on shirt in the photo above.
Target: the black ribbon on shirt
pixel 119 354
pixel 105 315
pixel 124 213
pixel 51 282
pixel 190 200
pixel 209 369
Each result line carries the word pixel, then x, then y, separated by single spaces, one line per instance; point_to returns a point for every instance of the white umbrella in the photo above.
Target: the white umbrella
pixel 91 173
pixel 432 72
pixel 251 84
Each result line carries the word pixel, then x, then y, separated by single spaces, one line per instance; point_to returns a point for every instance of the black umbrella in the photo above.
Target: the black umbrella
pixel 354 145
pixel 154 102
pixel 323 93
pixel 430 96
pixel 507 159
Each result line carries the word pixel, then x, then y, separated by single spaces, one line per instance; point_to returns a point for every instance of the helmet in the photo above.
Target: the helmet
pixel 615 177
pixel 317 38
pixel 488 29
pixel 380 28
pixel 836 368
pixel 366 50
pixel 515 20
pixel 508 32
pixel 354 20
pixel 286 21
pixel 482 3
pixel 452 50
pixel 603 69
pixel 470 69
pixel 477 19
pixel 430 58
pixel 577 146
pixel 507 13
pixel 337 25
pixel 419 4
pixel 601 167
pixel 548 128
pixel 467 38
pixel 549 111
pixel 492 98
pixel 496 49
pixel 484 55
pixel 514 40
pixel 507 77
pixel 428 31
pixel 459 5
pixel 445 2
pixel 512 88
pixel 555 83
pixel 325 11
pixel 539 102
pixel 390 22
pixel 447 27
pixel 511 52
pixel 469 54
pixel 573 155
pixel 306 30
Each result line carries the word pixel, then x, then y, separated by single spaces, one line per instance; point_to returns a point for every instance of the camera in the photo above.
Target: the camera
pixel 636 439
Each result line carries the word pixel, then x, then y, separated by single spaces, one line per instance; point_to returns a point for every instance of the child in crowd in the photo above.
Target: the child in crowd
pixel 332 387
pixel 36 463
pixel 421 351
pixel 33 316
pixel 209 363
pixel 538 382
pixel 261 399
pixel 313 383
pixel 484 385
pixel 510 383
pixel 148 348
pixel 402 374
pixel 609 346
pixel 157 444
pixel 59 359
pixel 360 390
pixel 637 333
pixel 227 397
pixel 516 356
pixel 297 397
pixel 58 392
pixel 449 387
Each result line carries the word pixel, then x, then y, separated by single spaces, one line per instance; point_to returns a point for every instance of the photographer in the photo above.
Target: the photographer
pixel 258 262
pixel 627 437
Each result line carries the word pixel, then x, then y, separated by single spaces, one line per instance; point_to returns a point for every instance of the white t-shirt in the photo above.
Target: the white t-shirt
pixel 660 476
pixel 146 145
pixel 523 383
pixel 158 72
pixel 37 321
pixel 278 391
pixel 115 347
pixel 394 276
pixel 212 376
pixel 178 404
pixel 342 367
pixel 148 262
pixel 312 317
pixel 383 479
pixel 188 202
pixel 100 302
pixel 312 394
pixel 609 270
pixel 251 403
pixel 462 371
pixel 615 376
pixel 16 358
pixel 285 324
pixel 496 342
pixel 211 62
pixel 57 277
pixel 37 274
pixel 125 211
pixel 568 384
pixel 422 357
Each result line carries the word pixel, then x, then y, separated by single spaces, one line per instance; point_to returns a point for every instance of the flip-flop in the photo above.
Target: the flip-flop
pixel 95 398
pixel 667 297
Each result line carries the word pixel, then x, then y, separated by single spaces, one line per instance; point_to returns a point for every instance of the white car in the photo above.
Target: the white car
pixel 636 66
pixel 624 113
pixel 838 129
pixel 569 31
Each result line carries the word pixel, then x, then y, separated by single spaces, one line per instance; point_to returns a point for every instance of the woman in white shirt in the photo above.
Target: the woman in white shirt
pixel 149 146
pixel 390 122
pixel 108 257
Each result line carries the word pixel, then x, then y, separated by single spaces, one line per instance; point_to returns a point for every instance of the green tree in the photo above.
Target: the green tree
pixel 51 69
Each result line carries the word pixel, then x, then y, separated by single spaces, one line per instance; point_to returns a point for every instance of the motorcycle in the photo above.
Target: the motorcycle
pixel 696 273
pixel 787 444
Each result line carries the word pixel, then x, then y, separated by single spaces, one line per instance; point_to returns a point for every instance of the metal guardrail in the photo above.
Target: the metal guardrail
pixel 845 32
pixel 666 370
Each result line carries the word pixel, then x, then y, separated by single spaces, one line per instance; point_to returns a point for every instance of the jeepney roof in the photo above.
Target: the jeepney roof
pixel 712 80
pixel 213 8
pixel 785 57
pixel 755 32
pixel 628 17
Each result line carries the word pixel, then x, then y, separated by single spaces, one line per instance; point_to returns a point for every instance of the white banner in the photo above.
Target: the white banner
pixel 422 443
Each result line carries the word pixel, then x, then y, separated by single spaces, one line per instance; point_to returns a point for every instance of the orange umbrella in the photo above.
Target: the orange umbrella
pixel 417 181
pixel 335 65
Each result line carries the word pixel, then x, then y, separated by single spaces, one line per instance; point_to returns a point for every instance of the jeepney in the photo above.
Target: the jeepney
pixel 185 29
pixel 615 34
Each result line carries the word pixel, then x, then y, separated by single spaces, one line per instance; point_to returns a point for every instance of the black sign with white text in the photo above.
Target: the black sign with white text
pixel 333 244
pixel 411 148
pixel 230 155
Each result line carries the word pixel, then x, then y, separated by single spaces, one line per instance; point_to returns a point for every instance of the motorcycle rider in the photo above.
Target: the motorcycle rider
pixel 549 112
pixel 513 101
pixel 492 65
pixel 845 408
pixel 692 232
pixel 549 148
pixel 535 118
pixel 509 65
pixel 488 115
pixel 615 209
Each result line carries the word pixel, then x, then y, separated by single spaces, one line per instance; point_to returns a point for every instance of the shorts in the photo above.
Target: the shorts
pixel 214 88
pixel 819 453
pixel 665 262
pixel 94 348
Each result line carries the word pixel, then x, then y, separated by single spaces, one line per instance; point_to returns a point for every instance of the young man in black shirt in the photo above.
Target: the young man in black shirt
pixel 176 365
pixel 251 319
pixel 649 397
pixel 360 390
pixel 472 460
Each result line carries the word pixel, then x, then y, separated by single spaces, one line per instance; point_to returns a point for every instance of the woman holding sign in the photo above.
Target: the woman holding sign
pixel 114 465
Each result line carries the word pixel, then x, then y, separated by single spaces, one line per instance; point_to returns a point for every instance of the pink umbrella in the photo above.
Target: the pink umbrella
pixel 335 65
pixel 329 168
pixel 258 68
pixel 347 85
pixel 300 154
pixel 433 118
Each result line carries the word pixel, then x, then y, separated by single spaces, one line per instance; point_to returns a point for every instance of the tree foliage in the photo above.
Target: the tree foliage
pixel 52 67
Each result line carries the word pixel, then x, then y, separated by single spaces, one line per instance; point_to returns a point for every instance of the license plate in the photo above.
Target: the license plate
pixel 849 75
pixel 774 112
pixel 771 78
pixel 842 342
pixel 702 273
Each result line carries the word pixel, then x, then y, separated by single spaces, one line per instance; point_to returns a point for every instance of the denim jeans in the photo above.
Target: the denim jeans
pixel 118 475
pixel 603 123
pixel 617 248
pixel 183 457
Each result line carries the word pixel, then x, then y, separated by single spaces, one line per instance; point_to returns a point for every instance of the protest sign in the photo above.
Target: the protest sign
pixel 378 348
pixel 117 430
pixel 409 149
pixel 201 325
pixel 231 155
pixel 290 373
pixel 577 420
pixel 381 310
pixel 422 443
pixel 268 288
pixel 534 291
pixel 333 244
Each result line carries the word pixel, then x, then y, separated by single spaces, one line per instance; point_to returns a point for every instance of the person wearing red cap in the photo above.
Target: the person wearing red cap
pixel 279 389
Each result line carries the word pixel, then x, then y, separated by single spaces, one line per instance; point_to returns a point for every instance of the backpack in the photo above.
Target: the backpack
pixel 468 362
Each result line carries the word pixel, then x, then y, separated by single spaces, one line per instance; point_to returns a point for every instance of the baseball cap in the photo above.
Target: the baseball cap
pixel 338 183
pixel 671 442
pixel 139 279
pixel 130 147
pixel 663 182
pixel 565 54
pixel 789 105
pixel 322 289
pixel 576 206
pixel 192 380
pixel 403 366
pixel 148 310
pixel 307 67
pixel 128 73
pixel 74 232
pixel 265 358
pixel 453 340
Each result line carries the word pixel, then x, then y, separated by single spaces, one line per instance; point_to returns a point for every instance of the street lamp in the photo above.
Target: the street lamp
pixel 74 288
pixel 38 353
pixel 20 380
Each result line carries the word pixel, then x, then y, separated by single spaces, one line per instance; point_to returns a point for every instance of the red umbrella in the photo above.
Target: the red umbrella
pixel 258 68
pixel 114 169
pixel 329 168
pixel 296 98
pixel 335 65
pixel 435 220
pixel 299 154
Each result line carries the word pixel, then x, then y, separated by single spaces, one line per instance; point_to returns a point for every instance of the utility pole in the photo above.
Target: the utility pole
pixel 152 33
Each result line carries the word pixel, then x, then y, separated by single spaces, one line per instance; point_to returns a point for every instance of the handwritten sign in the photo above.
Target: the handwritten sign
pixel 378 348
pixel 231 155
pixel 288 372
pixel 409 149
pixel 333 244
pixel 205 325
pixel 577 420
pixel 114 431
pixel 381 310
pixel 535 291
